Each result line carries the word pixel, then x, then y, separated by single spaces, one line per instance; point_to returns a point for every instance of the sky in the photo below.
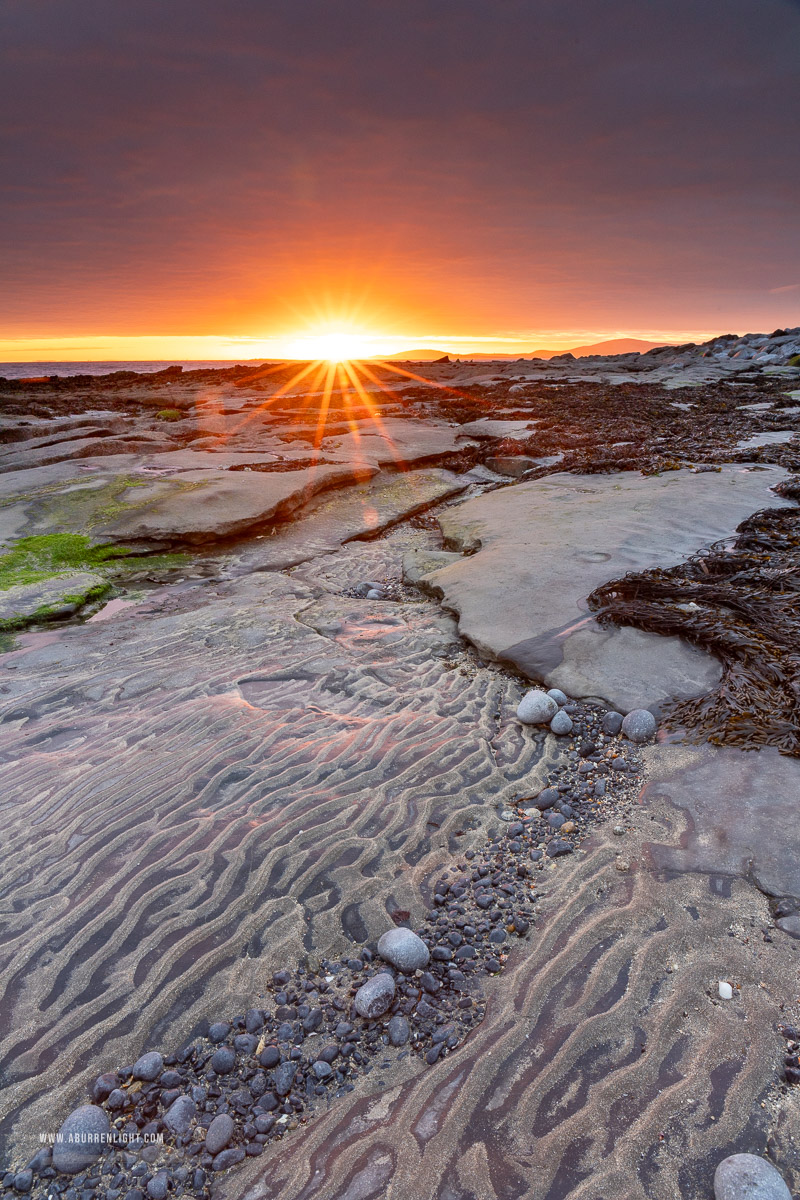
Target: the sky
pixel 205 179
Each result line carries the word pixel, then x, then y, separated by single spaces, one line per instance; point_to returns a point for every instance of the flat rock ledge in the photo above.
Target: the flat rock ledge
pixel 58 597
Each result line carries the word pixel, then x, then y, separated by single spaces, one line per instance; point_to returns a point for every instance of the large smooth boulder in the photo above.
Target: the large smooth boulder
pixel 748 1177
pixel 639 725
pixel 536 708
pixel 81 1139
pixel 148 1067
pixel 404 950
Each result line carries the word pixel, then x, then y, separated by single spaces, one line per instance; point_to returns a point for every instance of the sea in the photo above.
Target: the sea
pixel 35 370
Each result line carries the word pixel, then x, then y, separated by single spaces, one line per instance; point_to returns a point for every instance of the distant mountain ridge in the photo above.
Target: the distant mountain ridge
pixel 613 346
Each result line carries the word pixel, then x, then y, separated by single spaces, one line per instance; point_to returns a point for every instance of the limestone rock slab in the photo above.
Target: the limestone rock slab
pixel 741 810
pixel 535 551
pixel 51 597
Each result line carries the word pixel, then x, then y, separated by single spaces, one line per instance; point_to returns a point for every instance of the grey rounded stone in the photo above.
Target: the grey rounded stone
pixel 245 1043
pixel 223 1060
pixel 158 1186
pixel 23 1180
pixel 404 950
pixel 178 1116
pixel 790 924
pixel 219 1134
pixel 284 1078
pixel 639 725
pixel 547 798
pixel 375 996
pixel 228 1158
pixel 557 695
pixel 536 708
pixel 561 724
pixel 103 1086
pixel 748 1177
pixel 219 1031
pixel 254 1020
pixel 612 722
pixel 81 1139
pixel 148 1067
pixel 399 1031
pixel 322 1070
pixel 41 1159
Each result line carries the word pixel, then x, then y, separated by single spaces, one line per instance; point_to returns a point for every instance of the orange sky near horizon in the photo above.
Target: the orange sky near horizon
pixel 189 182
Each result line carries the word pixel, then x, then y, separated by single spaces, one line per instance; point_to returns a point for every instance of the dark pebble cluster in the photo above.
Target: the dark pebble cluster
pixel 177 1121
pixel 791 1061
pixel 597 771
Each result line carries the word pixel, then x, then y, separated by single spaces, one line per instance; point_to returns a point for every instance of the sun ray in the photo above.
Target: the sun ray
pixel 323 408
pixel 260 373
pixel 374 413
pixel 276 395
pixel 419 378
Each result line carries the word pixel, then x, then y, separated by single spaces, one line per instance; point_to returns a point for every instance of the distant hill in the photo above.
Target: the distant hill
pixel 614 346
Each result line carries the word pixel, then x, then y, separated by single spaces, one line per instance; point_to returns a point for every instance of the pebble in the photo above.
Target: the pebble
pixel 536 708
pixel 81 1139
pixel 404 950
pixel 178 1116
pixel 23 1180
pixel 219 1133
pixel 375 996
pixel 223 1060
pixel 228 1158
pixel 148 1067
pixel 399 1031
pixel 158 1186
pixel 254 1020
pixel 557 695
pixel 790 924
pixel 557 848
pixel 561 724
pixel 612 722
pixel 748 1177
pixel 104 1085
pixel 639 725
pixel 219 1031
pixel 270 1057
pixel 725 990
pixel 547 798
pixel 284 1078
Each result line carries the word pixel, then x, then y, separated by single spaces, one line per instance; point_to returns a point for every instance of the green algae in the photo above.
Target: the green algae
pixel 44 556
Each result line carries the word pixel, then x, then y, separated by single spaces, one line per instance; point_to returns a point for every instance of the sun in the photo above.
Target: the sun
pixel 336 346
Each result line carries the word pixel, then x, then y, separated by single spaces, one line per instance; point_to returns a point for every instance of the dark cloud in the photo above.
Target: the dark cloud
pixel 172 162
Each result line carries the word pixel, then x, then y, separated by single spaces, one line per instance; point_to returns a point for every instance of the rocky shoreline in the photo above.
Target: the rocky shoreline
pixel 314 758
